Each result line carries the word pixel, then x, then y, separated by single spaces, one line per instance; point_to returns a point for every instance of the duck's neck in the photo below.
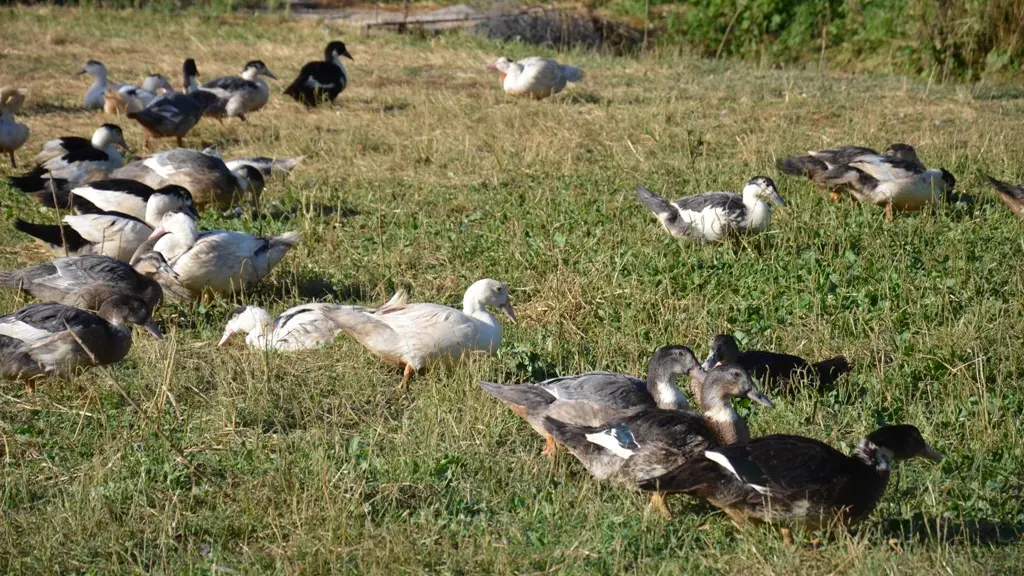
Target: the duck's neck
pixel 113 155
pixel 191 85
pixel 99 81
pixel 759 213
pixel 723 419
pixel 259 336
pixel 337 62
pixel 472 307
pixel 662 387
pixel 875 457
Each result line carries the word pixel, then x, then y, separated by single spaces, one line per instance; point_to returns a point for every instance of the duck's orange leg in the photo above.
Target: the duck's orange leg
pixel 888 212
pixel 550 448
pixel 406 375
pixel 658 503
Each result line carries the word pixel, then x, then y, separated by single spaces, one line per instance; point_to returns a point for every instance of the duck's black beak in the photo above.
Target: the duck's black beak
pixel 760 398
pixel 153 329
pixel 347 55
pixel 931 454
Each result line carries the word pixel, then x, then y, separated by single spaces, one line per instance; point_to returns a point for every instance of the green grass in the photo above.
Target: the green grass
pixel 427 176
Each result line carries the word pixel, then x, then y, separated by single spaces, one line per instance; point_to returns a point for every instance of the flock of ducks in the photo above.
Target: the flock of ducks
pixel 130 238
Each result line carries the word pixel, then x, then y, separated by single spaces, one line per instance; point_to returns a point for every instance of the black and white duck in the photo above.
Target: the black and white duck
pixel 793 478
pixel 774 370
pixel 632 448
pixel 239 95
pixel 323 80
pixel 606 394
pixel 715 216
pixel 50 338
pixel 77 166
pixel 113 234
pixel 89 281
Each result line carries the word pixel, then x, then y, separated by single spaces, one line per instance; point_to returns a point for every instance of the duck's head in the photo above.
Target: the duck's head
pixel 728 381
pixel 948 179
pixel 171 198
pixel 177 223
pixel 11 99
pixel 901 151
pixel 724 350
pixel 250 180
pixel 762 188
pixel 93 68
pixel 151 263
pixel 156 82
pixel 189 73
pixel 335 50
pixel 489 292
pixel 256 68
pixel 902 442
pixel 501 65
pixel 213 151
pixel 669 362
pixel 245 319
pixel 123 309
pixel 109 135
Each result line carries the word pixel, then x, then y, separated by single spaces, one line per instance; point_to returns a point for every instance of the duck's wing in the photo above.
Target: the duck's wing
pixel 60 147
pixel 1011 195
pixel 841 154
pixel 38 322
pixel 121 195
pixel 229 85
pixel 602 388
pixel 885 168
pixel 725 201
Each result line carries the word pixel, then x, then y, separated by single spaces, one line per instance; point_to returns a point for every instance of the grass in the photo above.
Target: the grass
pixel 427 176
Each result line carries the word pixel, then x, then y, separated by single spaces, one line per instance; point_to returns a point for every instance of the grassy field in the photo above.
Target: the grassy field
pixel 427 176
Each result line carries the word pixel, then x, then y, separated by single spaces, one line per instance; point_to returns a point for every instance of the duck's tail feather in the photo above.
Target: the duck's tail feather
pixel 52 234
pixel 59 197
pixel 1009 194
pixel 830 370
pixel 37 181
pixel 653 202
pixel 286 165
pixel 572 73
pixel 280 245
pixel 806 166
pixel 530 397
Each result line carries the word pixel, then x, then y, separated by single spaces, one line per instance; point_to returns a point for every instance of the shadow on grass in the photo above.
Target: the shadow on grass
pixel 966 531
pixel 288 210
pixel 43 108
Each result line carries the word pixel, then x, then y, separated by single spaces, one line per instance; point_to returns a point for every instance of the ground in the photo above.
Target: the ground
pixel 425 175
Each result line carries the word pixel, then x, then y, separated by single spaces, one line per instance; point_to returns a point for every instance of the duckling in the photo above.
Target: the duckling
pixel 110 233
pixel 173 115
pixel 302 327
pixel 715 216
pixel 206 177
pixel 93 99
pixel 631 448
pixel 13 134
pixel 792 478
pixel 417 336
pixel 535 77
pixel 51 338
pixel 323 80
pixel 88 281
pixel 130 98
pixel 607 393
pixel 220 261
pixel 772 369
pixel 1011 195
pixel 239 95
pixel 76 167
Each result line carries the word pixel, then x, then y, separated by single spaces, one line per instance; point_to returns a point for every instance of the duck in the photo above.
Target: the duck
pixel 218 261
pixel 535 77
pixel 13 134
pixel 608 393
pixel 774 370
pixel 788 478
pixel 1011 195
pixel 94 95
pixel 51 338
pixel 110 233
pixel 268 167
pixel 303 327
pixel 715 216
pixel 321 80
pixel 816 163
pixel 66 144
pixel 116 195
pixel 633 447
pixel 76 167
pixel 206 177
pixel 173 115
pixel 88 281
pixel 239 95
pixel 128 98
pixel 419 335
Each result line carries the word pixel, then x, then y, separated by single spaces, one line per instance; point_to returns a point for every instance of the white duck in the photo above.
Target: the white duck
pixel 77 166
pixel 13 134
pixel 129 98
pixel 93 99
pixel 239 95
pixel 112 234
pixel 301 327
pixel 535 77
pixel 417 336
pixel 220 261
pixel 714 216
